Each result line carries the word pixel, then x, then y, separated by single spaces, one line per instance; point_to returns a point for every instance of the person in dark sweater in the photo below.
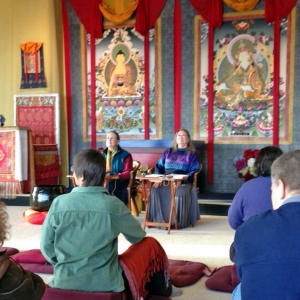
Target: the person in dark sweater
pixel 119 163
pixel 254 196
pixel 267 246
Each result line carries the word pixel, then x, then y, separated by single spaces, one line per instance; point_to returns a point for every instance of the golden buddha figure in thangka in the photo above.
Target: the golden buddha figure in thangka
pixel 246 83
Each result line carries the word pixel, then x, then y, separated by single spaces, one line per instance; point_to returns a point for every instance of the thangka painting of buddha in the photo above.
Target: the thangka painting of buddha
pixel 242 76
pixel 120 84
pixel 243 80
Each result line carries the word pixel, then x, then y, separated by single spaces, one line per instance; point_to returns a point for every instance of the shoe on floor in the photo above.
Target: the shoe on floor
pixel 176 291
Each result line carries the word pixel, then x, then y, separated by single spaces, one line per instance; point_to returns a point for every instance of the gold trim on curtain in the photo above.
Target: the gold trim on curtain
pixel 241 5
pixel 118 11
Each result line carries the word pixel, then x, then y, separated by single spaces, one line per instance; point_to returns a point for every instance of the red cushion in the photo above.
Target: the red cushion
pixel 58 294
pixel 34 217
pixel 9 251
pixel 185 273
pixel 223 280
pixel 234 277
pixel 34 261
pixel 30 256
pixel 38 268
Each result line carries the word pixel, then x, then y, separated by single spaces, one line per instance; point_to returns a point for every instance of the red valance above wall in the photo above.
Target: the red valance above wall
pixel 284 7
pixel 148 11
pixel 89 15
pixel 211 11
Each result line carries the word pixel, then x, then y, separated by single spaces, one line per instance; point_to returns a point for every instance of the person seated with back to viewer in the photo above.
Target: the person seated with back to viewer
pixel 15 282
pixel 254 196
pixel 80 238
pixel 118 162
pixel 181 158
pixel 267 246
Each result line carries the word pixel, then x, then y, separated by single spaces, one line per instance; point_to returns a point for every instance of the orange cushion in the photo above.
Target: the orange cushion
pixel 34 217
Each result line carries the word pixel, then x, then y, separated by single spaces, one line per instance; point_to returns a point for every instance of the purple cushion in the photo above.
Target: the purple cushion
pixel 34 261
pixel 58 294
pixel 223 279
pixel 185 273
pixel 30 256
pixel 38 268
pixel 9 251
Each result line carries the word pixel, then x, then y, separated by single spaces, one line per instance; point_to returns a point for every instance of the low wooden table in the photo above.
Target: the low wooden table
pixel 173 180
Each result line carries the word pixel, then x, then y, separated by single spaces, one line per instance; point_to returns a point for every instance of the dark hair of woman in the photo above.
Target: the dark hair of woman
pixel 189 147
pixel 117 135
pixel 265 159
pixel 90 164
pixel 4 226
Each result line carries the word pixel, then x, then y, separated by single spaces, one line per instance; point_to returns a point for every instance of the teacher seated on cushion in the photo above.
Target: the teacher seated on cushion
pixel 118 162
pixel 181 158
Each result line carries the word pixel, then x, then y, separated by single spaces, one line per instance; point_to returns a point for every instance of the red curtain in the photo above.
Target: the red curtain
pixel 147 13
pixel 93 92
pixel 283 7
pixel 211 11
pixel 210 117
pixel 146 89
pixel 276 74
pixel 177 65
pixel 89 14
pixel 275 10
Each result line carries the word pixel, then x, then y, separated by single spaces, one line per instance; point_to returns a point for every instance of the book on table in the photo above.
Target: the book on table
pixel 168 176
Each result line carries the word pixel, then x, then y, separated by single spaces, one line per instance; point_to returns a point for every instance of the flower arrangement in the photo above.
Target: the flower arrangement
pixel 245 164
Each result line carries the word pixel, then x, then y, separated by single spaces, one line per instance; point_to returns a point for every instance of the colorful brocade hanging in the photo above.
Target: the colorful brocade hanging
pixel 32 65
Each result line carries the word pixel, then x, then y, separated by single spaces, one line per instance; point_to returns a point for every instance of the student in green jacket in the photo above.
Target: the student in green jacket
pixel 80 233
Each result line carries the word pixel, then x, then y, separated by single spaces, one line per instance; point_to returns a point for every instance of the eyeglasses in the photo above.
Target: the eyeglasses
pixel 111 139
pixel 182 135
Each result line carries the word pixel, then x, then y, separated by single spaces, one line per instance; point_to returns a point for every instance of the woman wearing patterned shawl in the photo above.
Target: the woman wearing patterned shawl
pixel 181 158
